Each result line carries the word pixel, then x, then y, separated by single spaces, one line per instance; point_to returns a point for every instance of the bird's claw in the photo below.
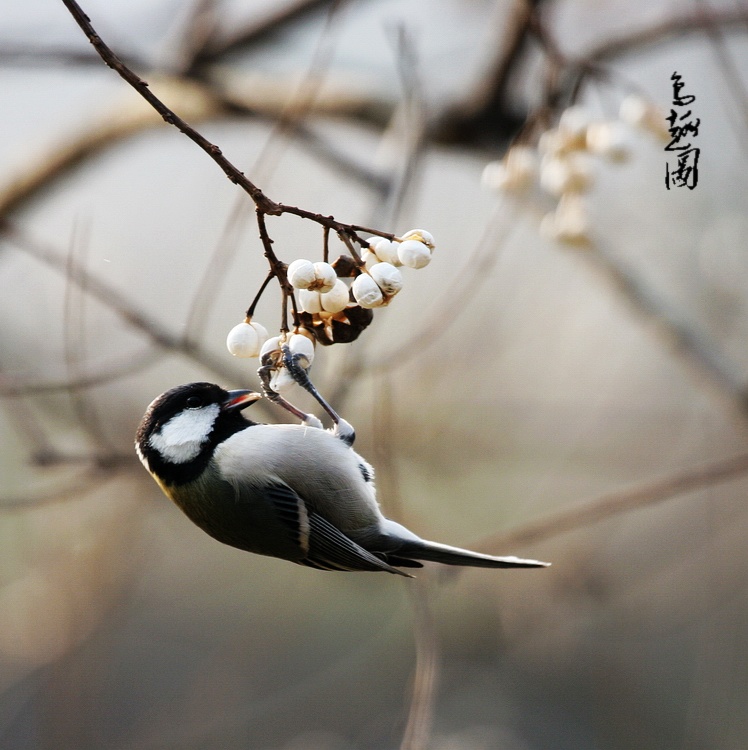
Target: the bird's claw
pixel 342 429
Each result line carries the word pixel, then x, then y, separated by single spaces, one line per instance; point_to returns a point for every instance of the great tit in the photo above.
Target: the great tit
pixel 291 491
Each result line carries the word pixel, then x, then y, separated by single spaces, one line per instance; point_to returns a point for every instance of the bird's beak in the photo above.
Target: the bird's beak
pixel 240 399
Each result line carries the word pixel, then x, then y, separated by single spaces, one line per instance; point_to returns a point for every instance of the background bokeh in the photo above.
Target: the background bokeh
pixel 512 382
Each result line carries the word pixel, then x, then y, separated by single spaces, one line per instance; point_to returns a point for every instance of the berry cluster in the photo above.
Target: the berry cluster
pixel 335 301
pixel 564 161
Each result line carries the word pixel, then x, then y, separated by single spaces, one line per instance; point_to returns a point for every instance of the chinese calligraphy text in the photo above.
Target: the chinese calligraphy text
pixel 683 127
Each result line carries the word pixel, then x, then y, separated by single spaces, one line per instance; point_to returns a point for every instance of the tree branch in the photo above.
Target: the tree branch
pixel 615 503
pixel 262 202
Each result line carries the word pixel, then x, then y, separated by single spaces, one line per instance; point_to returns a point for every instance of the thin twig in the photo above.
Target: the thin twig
pixel 659 33
pixel 426 673
pixel 409 123
pixel 121 305
pixel 615 503
pixel 89 478
pixel 485 113
pixel 74 343
pixel 17 386
pixel 263 203
pixel 53 161
pixel 276 18
pixel 695 349
pixel 731 74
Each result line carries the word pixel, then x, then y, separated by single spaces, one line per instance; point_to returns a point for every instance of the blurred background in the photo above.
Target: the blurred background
pixel 566 380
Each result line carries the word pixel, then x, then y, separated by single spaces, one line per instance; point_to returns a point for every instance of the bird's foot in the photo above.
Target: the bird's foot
pixel 265 374
pixel 291 361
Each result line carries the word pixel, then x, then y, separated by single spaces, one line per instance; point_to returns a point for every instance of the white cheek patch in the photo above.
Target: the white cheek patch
pixel 181 439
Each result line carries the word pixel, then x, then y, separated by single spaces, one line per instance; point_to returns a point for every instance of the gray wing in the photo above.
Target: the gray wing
pixel 320 544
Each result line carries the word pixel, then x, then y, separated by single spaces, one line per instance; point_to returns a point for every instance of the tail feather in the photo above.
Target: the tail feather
pixel 443 553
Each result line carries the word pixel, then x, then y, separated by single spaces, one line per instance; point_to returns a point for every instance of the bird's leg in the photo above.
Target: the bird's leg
pixel 265 373
pixel 342 429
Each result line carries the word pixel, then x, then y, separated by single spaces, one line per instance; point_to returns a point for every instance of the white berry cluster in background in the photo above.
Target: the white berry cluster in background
pixel 563 164
pixel 334 301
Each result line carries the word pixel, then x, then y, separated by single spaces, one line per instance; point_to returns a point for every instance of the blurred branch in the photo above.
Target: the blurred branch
pixel 425 676
pixel 426 671
pixel 93 476
pixel 730 72
pixel 74 344
pixel 407 125
pixel 198 101
pixel 485 114
pixel 121 121
pixel 24 55
pixel 121 305
pixel 615 503
pixel 693 348
pixel 17 386
pixel 665 31
pixel 27 424
pixel 275 18
pixel 263 203
pixel 193 36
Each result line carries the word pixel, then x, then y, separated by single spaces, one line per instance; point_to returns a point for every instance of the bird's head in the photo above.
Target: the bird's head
pixel 181 428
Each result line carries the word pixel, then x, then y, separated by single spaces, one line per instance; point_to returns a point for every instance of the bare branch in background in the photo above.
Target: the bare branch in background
pixel 112 126
pixel 614 503
pixel 18 386
pixel 71 489
pixel 418 729
pixel 120 304
pixel 485 114
pixel 264 204
pixel 274 20
pixel 695 349
pixel 417 735
pixel 730 72
pixel 666 31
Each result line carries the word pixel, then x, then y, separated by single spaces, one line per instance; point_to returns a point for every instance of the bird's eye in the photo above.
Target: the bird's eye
pixel 194 402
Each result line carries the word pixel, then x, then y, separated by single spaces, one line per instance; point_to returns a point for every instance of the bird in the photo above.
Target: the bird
pixel 292 491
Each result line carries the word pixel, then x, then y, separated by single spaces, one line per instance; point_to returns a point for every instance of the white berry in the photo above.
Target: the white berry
pixel 609 139
pixel 569 223
pixel 271 345
pixel 421 235
pixel 246 339
pixel 325 277
pixel 574 121
pixel 370 258
pixel 310 301
pixel 515 173
pixel 337 298
pixel 301 345
pixel 635 110
pixel 387 278
pixel 301 273
pixel 559 175
pixel 366 291
pixel 386 251
pixel 414 254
